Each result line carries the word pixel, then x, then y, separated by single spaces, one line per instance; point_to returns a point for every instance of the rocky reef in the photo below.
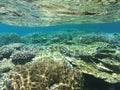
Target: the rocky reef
pixel 78 61
pixel 52 12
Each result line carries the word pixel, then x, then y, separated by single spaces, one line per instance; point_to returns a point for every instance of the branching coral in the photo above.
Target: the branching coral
pixel 45 75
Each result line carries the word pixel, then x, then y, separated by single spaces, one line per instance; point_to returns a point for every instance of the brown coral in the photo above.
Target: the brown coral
pixel 22 57
pixel 45 75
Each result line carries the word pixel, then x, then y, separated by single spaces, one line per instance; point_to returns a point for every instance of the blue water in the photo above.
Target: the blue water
pixel 42 40
pixel 104 27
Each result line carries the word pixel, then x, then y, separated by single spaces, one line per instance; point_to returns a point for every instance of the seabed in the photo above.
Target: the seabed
pixel 64 60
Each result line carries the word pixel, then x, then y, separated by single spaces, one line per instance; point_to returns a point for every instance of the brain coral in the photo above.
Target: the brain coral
pixel 45 75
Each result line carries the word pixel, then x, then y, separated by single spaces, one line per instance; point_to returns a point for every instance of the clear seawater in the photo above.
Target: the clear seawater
pixel 62 33
pixel 100 27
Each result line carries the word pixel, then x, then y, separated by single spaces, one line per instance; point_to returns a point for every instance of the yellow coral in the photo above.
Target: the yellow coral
pixel 45 75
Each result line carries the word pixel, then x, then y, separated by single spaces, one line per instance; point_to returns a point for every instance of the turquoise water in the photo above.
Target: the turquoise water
pixel 104 27
pixel 10 34
pixel 94 47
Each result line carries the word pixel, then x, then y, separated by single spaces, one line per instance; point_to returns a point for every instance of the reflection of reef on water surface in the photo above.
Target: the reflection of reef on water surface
pixel 66 60
pixel 52 12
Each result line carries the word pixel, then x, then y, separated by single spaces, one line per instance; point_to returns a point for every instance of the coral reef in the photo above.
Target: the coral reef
pixel 33 47
pixel 98 62
pixel 5 52
pixel 22 57
pixel 16 46
pixel 8 38
pixel 69 37
pixel 45 75
pixel 34 38
pixel 99 37
pixel 6 65
pixel 62 61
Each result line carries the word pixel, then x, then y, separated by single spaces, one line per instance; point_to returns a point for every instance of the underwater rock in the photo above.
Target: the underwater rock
pixel 111 64
pixel 45 75
pixel 65 51
pixel 104 53
pixel 79 54
pixel 22 57
pixel 105 67
pixel 92 83
pixel 52 12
